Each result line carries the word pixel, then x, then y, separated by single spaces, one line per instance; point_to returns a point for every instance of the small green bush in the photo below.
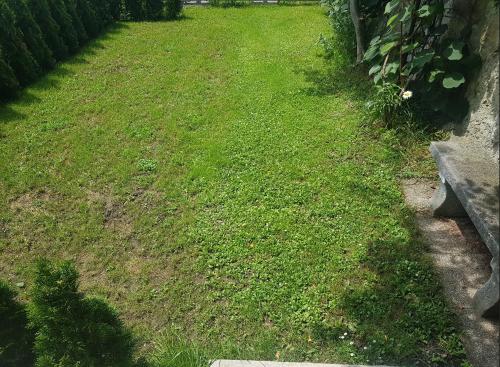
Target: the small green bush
pixel 153 9
pixel 16 340
pixel 50 29
pixel 72 330
pixel 32 35
pixel 16 52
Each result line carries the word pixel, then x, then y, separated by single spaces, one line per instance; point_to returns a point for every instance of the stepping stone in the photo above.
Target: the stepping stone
pixel 227 363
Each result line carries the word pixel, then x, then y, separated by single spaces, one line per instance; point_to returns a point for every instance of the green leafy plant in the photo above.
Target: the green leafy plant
pixel 414 52
pixel 388 104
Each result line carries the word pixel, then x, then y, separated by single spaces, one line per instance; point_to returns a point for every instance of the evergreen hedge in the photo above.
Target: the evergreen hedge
pixel 35 34
pixel 33 37
pixel 16 53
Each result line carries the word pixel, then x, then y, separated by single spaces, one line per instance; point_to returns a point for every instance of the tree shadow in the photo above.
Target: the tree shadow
pixel 16 339
pixel 52 79
pixel 346 80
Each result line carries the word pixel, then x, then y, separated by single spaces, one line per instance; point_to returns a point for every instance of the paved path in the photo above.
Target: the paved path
pixel 462 261
pixel 227 363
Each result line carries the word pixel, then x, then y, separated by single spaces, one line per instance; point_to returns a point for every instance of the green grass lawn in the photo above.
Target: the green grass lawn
pixel 211 177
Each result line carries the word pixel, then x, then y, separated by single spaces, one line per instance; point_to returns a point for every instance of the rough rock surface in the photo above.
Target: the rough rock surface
pixel 481 124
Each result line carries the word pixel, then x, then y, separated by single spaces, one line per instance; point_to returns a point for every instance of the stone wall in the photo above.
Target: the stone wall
pixel 481 124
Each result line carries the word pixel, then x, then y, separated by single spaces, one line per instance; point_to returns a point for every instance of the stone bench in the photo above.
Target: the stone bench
pixel 470 187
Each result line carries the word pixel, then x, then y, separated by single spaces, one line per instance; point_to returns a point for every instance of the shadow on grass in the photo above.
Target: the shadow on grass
pixel 16 339
pixel 332 80
pixel 401 316
pixel 52 79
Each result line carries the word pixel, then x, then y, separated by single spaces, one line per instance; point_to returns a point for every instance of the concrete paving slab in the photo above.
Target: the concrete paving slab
pixel 462 261
pixel 228 363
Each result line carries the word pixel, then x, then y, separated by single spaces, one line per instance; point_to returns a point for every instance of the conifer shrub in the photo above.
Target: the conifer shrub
pixel 8 81
pixel 88 17
pixel 50 29
pixel 153 9
pixel 63 19
pixel 77 21
pixel 133 10
pixel 16 52
pixel 173 9
pixel 16 339
pixel 32 35
pixel 115 8
pixel 73 330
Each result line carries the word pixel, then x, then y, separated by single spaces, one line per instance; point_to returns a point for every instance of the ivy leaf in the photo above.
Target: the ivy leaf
pixel 425 11
pixel 374 69
pixel 371 53
pixel 428 10
pixel 375 40
pixel 453 51
pixel 387 47
pixel 392 19
pixel 407 48
pixel 393 4
pixel 407 13
pixel 453 80
pixel 420 60
pixel 391 68
pixel 434 74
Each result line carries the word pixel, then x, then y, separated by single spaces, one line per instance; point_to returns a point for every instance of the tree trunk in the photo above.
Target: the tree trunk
pixel 360 41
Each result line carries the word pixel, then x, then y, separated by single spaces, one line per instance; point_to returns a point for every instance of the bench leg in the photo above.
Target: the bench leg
pixel 445 203
pixel 486 299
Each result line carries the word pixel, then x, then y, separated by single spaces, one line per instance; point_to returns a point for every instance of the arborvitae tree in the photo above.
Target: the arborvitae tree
pixel 88 17
pixel 115 9
pixel 63 19
pixel 77 22
pixel 16 52
pixel 32 34
pixel 8 82
pixel 16 339
pixel 133 9
pixel 173 9
pixel 50 30
pixel 153 9
pixel 94 4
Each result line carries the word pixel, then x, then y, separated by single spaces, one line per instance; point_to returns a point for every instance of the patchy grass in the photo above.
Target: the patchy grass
pixel 211 176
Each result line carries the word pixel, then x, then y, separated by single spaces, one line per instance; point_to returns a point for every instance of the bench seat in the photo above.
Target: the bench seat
pixel 470 187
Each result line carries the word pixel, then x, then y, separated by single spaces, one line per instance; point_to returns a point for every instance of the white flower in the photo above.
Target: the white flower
pixel 365 348
pixel 407 94
pixel 342 337
pixel 352 354
pixel 345 333
pixel 351 343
